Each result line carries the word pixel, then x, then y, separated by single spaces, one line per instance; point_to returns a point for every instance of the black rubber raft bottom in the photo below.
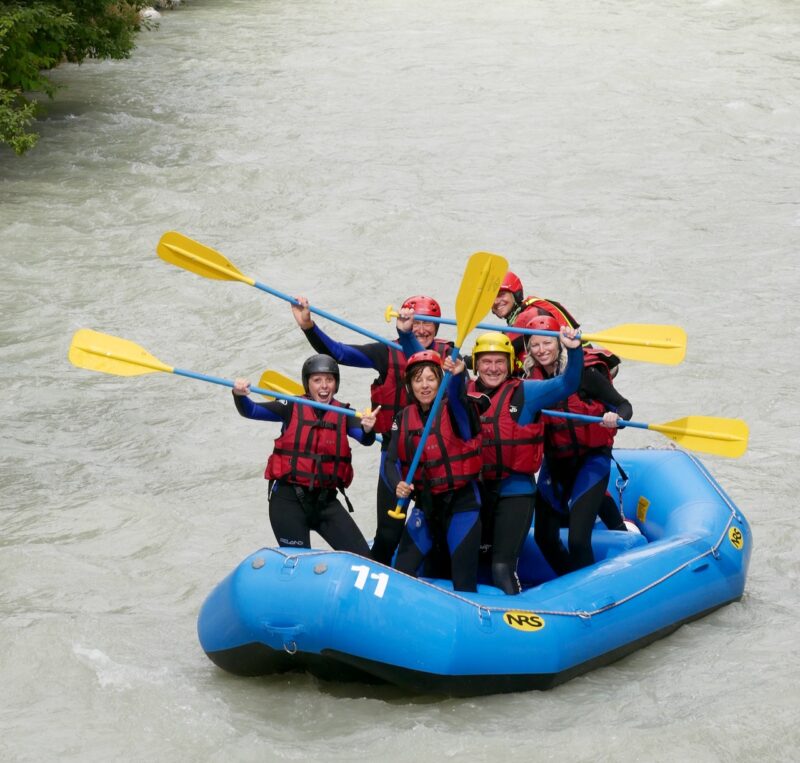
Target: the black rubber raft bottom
pixel 258 660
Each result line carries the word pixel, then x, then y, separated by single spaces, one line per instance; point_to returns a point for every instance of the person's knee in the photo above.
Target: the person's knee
pixel 546 535
pixel 581 554
pixel 505 578
pixel 579 545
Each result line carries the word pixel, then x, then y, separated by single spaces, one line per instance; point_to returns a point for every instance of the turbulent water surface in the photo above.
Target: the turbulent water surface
pixel 637 161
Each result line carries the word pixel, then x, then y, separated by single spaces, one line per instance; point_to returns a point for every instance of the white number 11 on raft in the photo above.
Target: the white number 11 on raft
pixel 364 573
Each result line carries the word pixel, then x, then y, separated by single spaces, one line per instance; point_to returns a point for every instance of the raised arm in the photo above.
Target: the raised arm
pixel 405 333
pixel 462 412
pixel 373 355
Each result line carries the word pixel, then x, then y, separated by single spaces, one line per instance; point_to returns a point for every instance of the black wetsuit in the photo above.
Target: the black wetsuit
pixel 295 510
pixel 508 504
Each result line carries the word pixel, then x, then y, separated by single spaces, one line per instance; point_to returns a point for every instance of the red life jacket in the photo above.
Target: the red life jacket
pixel 568 438
pixel 390 392
pixel 506 445
pixel 447 461
pixel 311 451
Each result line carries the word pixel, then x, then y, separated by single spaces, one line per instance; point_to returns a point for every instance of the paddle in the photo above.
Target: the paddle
pixel 121 357
pixel 195 257
pixel 708 434
pixel 275 380
pixel 647 342
pixel 479 284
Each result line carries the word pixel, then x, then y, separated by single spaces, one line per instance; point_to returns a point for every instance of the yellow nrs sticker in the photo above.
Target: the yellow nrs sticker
pixel 736 538
pixel 524 621
pixel 641 508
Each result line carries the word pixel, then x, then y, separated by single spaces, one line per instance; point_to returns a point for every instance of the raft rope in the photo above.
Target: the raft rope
pixel 291 559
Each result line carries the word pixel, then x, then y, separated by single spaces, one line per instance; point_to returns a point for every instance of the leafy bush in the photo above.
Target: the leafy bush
pixel 41 34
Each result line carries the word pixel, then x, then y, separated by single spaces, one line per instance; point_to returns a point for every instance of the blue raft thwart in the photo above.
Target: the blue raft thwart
pixel 343 617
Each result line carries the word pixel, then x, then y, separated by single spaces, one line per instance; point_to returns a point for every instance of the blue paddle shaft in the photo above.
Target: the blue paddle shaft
pixel 329 316
pixel 269 393
pixel 594 419
pixel 489 326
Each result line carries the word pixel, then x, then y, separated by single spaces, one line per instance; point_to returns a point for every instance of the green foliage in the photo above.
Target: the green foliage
pixel 40 34
pixel 16 114
pixel 31 40
pixel 104 28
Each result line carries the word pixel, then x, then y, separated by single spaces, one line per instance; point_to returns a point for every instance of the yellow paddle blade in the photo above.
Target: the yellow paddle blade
pixel 479 286
pixel 112 355
pixel 708 434
pixel 279 382
pixel 648 342
pixel 191 255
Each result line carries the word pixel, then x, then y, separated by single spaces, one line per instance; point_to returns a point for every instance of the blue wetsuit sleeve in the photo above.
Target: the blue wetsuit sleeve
pixel 462 415
pixel 358 434
pixel 355 355
pixel 277 410
pixel 409 343
pixel 543 394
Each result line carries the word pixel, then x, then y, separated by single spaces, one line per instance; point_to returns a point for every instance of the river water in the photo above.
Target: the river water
pixel 637 161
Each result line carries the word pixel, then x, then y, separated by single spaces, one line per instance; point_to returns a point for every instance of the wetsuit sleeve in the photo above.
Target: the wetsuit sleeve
pixel 358 434
pixel 276 410
pixel 373 355
pixel 409 343
pixel 597 386
pixel 462 413
pixel 543 394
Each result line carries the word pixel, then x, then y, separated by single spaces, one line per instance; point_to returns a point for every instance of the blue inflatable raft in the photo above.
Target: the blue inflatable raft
pixel 343 617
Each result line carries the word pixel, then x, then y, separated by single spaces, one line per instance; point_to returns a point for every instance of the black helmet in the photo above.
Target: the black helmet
pixel 320 364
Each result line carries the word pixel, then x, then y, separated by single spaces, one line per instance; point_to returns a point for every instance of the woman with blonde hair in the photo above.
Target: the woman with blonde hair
pixel 577 455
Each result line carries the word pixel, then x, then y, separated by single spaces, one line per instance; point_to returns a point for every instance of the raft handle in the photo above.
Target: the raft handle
pixel 287 635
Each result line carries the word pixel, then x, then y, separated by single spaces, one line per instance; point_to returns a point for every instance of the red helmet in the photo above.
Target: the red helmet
pixel 530 320
pixel 423 305
pixel 512 283
pixel 425 356
pixel 429 357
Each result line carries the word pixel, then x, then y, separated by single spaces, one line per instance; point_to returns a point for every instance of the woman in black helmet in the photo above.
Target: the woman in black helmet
pixel 311 460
